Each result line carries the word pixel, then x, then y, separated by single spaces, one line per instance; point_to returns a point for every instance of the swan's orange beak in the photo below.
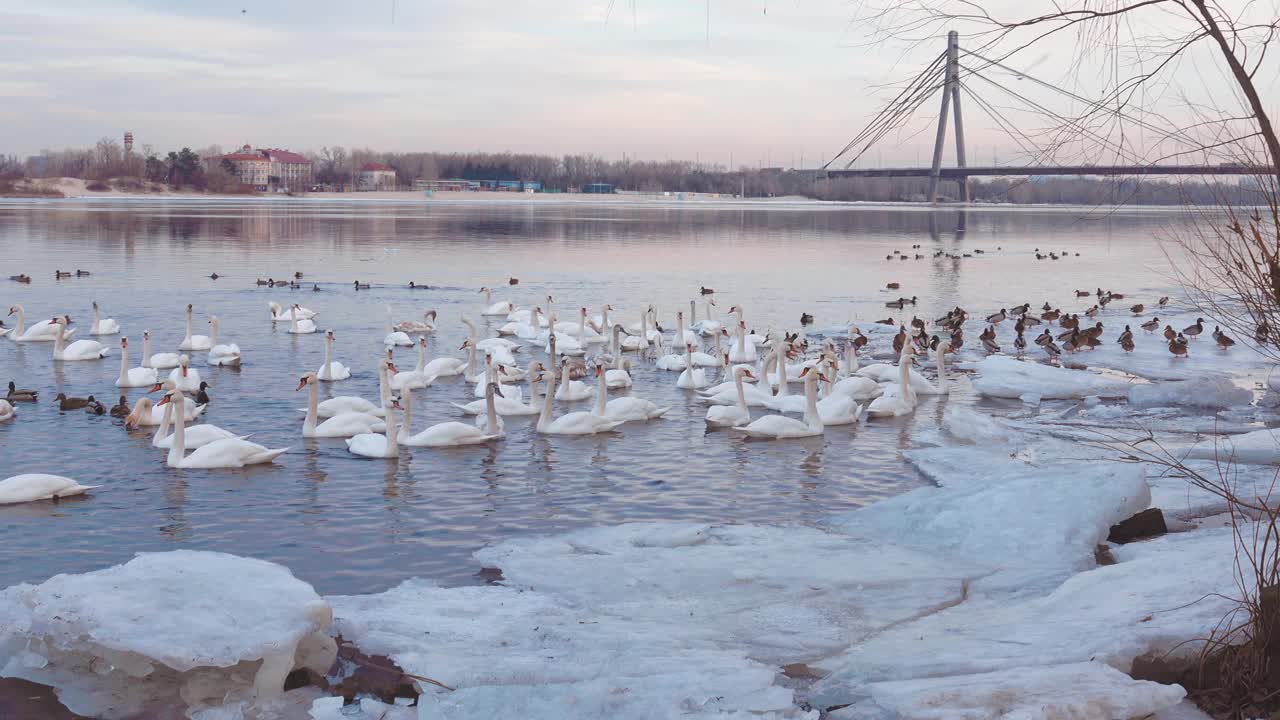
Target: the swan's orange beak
pixel 184 371
pixel 301 384
pixel 392 367
pixel 154 388
pixel 497 390
pixel 163 401
pixel 502 370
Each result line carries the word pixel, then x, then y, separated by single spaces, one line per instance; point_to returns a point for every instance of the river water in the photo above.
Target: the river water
pixel 353 525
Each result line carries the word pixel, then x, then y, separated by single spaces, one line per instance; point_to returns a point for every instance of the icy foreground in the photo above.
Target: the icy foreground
pixel 176 628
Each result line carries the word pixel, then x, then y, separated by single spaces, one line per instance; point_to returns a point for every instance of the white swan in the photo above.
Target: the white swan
pixel 639 339
pixel 416 378
pixel 618 376
pixel 570 390
pixel 625 409
pixel 502 307
pixel 683 336
pixel 278 316
pixel 456 434
pixel 574 423
pixel 221 354
pixel 43 331
pixel 78 350
pixel 343 424
pixel 7 411
pixel 742 351
pixel 194 342
pixel 103 327
pixel 692 378
pixel 159 361
pixel 676 362
pixel 395 337
pixel 707 326
pixel 184 378
pixel 781 427
pixel 371 444
pixel 133 377
pixel 196 435
pixel 560 343
pixel 500 348
pixel 351 403
pixel 331 370
pixel 505 405
pixel 225 453
pixel 737 414
pixel 147 414
pixel 900 399
pixel 30 487
pixel 299 325
pixel 716 358
pixel 492 372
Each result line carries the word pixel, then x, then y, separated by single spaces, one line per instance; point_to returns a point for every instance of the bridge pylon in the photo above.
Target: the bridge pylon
pixel 950 101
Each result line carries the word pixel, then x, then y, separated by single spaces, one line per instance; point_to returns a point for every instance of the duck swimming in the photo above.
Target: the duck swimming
pixel 73 403
pixel 16 395
pixel 122 408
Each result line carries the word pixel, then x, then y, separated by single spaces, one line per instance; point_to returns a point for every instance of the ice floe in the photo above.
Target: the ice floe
pixel 1001 376
pixel 1212 393
pixel 195 629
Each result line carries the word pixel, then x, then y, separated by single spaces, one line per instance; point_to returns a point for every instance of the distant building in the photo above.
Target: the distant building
pixel 453 185
pixel 511 185
pixel 376 176
pixel 598 189
pixel 266 169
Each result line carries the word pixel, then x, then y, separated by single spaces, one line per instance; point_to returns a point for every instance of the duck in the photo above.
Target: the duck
pixel 574 423
pixel 82 273
pixel 1151 325
pixel 997 318
pixel 158 361
pixel 1137 309
pixel 781 427
pixel 1052 350
pixel 299 325
pixel 59 274
pixel 361 286
pixel 278 315
pixel 1223 341
pixel 194 342
pixel 1020 343
pixel 95 407
pixel 626 409
pixel 456 434
pixel 1163 301
pixel 1044 337
pixel 100 326
pixel 21 278
pixel 121 409
pixel 202 396
pixel 232 452
pixel 737 414
pixel 214 276
pixel 31 487
pixel 1178 346
pixel 332 370
pixel 1194 329
pixel 7 411
pixel 340 425
pixel 267 282
pixel 79 350
pixel 16 395
pixel 1169 333
pixel 73 403
pixel 1126 336
pixel 893 286
pixel 133 377
pixel 222 354
pixel 806 319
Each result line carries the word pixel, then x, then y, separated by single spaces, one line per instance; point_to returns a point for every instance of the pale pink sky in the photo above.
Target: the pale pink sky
pixel 778 81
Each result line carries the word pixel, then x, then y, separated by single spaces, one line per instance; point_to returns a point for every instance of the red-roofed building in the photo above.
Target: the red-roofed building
pixel 376 176
pixel 267 168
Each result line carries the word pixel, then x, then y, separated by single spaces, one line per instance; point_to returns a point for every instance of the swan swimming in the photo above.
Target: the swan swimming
pixel 225 453
pixel 30 487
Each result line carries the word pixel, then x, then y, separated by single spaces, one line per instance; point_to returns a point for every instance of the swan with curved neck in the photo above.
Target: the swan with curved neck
pixel 100 326
pixel 43 331
pixel 184 378
pixel 221 354
pixel 781 427
pixel 735 415
pixel 78 350
pixel 693 378
pixel 194 342
pixel 618 376
pixel 299 325
pixel 133 377
pixel 456 434
pixel 195 436
pixel 901 399
pixel 224 453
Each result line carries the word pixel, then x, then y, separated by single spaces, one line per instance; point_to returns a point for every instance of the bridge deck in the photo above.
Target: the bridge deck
pixel 955 173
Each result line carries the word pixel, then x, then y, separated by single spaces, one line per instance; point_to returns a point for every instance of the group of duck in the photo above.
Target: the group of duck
pixel 1073 336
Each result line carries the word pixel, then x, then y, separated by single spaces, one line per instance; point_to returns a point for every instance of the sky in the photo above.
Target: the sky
pixel 755 82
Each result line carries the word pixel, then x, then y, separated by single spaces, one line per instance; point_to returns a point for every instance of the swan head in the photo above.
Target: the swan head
pixel 305 380
pixel 328 335
pixel 422 341
pixel 14 309
pixel 484 289
pixel 497 389
pixel 188 308
pixel 465 344
pixel 95 304
pixel 430 314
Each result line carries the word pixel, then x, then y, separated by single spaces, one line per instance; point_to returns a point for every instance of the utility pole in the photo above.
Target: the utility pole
pixel 950 100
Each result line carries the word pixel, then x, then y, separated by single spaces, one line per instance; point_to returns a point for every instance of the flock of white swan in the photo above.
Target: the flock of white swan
pixel 586 359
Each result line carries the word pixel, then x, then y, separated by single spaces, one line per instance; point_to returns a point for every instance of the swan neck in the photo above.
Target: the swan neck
pixel 213 331
pixel 21 327
pixel 602 394
pixel 742 395
pixel 393 446
pixel 58 339
pixel 328 353
pixel 811 402
pixel 544 419
pixel 313 408
pixel 179 446
pixel 146 351
pixel 165 421
pixel 124 365
pixel 407 397
pixel 422 358
pixel 491 410
pixel 188 324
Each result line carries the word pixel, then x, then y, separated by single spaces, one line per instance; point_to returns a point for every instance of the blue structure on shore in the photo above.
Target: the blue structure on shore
pixel 598 189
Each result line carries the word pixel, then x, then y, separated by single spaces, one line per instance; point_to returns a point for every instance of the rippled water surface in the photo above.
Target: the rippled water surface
pixel 349 524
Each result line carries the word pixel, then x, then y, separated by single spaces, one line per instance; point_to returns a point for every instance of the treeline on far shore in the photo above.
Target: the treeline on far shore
pixel 107 162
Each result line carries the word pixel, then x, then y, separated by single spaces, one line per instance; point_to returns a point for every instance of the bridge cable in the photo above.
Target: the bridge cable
pixel 892 112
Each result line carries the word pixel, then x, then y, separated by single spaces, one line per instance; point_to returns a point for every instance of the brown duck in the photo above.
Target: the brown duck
pixel 1137 309
pixel 1223 341
pixel 73 403
pixel 1152 325
pixel 1178 346
pixel 1169 333
pixel 122 408
pixel 16 395
pixel 1194 330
